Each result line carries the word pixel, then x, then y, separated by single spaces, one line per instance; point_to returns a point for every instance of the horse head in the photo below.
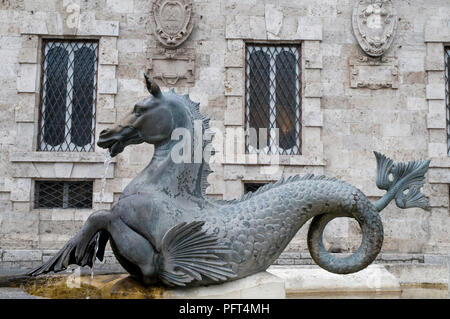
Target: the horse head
pixel 152 121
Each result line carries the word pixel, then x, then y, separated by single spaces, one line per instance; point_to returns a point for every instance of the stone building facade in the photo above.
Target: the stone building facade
pixel 350 104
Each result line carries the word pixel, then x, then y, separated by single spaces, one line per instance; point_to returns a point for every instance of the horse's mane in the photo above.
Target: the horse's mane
pixel 196 115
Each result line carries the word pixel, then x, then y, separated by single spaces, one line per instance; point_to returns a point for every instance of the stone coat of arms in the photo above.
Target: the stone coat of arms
pixel 374 25
pixel 172 21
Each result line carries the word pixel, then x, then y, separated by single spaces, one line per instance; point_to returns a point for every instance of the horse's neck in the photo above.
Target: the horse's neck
pixel 178 179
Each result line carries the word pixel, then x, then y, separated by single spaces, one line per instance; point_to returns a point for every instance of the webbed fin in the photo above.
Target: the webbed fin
pixel 403 181
pixel 188 253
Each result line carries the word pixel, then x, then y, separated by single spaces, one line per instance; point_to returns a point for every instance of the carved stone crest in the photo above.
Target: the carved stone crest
pixel 374 73
pixel 172 67
pixel 374 25
pixel 172 21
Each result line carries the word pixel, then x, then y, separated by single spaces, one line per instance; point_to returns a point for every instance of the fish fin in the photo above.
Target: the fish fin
pixel 403 181
pixel 188 253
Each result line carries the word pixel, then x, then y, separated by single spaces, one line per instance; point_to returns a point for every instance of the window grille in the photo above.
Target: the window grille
pixel 447 94
pixel 63 194
pixel 68 96
pixel 273 99
pixel 252 187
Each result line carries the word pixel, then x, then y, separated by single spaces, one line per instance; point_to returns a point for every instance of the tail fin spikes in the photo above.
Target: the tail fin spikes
pixel 403 181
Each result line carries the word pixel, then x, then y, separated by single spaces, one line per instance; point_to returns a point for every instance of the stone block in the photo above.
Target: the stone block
pixel 274 19
pixel 106 72
pixel 28 55
pixel 396 129
pixel 109 56
pixel 130 45
pixel 262 285
pixel 437 150
pixel 63 170
pixel 106 116
pixel 257 27
pixel 309 28
pixel 107 28
pixel 436 120
pixel 419 273
pixel 436 30
pixel 436 91
pixel 108 86
pixel 30 41
pixel 34 24
pixel 312 119
pixel 234 82
pixel 234 113
pixel 233 189
pixel 234 59
pixel 436 259
pixel 24 129
pixel 237 27
pixel 301 279
pixel 22 255
pixel 120 6
pixel 21 191
pixel 312 54
pixel 434 60
pixel 439 175
pixel 105 101
pixel 416 103
pixel 25 110
pixel 26 81
pixel 313 89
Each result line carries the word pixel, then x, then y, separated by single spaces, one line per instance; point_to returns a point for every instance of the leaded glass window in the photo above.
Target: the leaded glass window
pixel 69 85
pixel 273 99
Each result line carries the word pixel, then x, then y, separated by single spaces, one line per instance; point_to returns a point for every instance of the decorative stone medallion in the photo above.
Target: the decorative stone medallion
pixel 172 21
pixel 374 25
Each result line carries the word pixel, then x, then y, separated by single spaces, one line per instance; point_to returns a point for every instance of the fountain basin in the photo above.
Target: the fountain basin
pixel 121 286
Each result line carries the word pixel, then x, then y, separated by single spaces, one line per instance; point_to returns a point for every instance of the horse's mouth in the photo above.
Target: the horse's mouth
pixel 116 142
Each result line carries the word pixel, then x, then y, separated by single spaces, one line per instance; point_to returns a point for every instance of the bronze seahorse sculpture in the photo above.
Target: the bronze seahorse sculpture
pixel 164 228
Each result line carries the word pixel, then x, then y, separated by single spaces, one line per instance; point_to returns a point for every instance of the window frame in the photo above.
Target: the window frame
pixel 65 199
pixel 69 145
pixel 272 149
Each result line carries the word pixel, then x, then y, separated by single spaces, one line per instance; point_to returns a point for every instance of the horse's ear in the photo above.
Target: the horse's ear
pixel 152 87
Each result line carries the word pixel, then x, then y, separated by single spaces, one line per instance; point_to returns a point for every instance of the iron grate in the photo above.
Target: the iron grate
pixel 273 99
pixel 68 96
pixel 447 94
pixel 63 194
pixel 252 187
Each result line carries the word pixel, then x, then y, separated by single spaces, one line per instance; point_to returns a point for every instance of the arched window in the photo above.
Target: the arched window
pixel 259 97
pixel 55 96
pixel 273 99
pixel 68 96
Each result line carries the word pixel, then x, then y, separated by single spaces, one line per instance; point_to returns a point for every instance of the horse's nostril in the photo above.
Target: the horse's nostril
pixel 104 132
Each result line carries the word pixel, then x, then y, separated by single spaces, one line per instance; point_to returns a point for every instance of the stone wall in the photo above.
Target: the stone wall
pixel 341 124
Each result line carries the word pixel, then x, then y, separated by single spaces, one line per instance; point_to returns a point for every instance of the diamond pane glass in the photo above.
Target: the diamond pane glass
pixel 63 194
pixel 68 96
pixel 273 99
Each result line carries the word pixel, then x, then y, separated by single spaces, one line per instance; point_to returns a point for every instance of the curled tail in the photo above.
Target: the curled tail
pixel 402 181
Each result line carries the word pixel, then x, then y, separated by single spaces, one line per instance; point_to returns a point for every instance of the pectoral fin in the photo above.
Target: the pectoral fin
pixel 188 253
